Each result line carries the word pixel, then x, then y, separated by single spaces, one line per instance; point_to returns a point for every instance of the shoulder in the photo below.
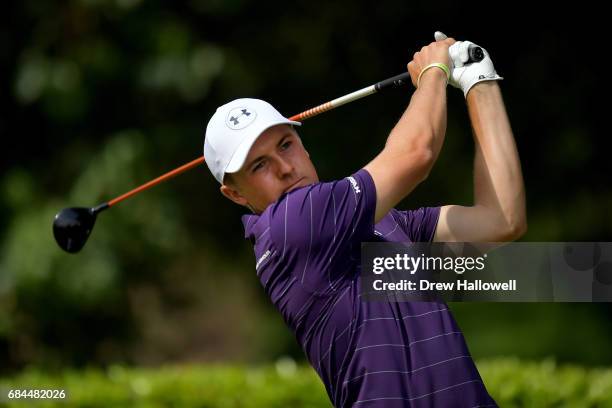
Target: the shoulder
pixel 298 202
pixel 321 209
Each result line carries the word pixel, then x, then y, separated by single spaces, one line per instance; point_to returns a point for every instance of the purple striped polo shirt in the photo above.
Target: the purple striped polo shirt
pixel 368 354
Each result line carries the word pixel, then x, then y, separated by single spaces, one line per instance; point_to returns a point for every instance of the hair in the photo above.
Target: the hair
pixel 228 180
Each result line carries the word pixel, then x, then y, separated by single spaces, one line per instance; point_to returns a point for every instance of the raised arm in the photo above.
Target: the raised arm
pixel 498 213
pixel 415 142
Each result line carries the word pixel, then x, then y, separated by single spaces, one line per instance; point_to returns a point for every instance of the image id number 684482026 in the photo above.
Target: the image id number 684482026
pixel 29 394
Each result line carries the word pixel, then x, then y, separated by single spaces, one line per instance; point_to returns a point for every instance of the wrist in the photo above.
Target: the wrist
pixel 436 69
pixel 480 89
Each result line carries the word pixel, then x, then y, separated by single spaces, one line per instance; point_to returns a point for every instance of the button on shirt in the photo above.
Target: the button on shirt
pixel 368 354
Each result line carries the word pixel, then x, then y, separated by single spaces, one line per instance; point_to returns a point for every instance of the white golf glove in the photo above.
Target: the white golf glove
pixel 464 74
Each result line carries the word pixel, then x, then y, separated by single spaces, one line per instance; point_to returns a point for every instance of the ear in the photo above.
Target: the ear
pixel 233 194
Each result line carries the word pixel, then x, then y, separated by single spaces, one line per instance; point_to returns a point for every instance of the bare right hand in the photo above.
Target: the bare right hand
pixel 437 51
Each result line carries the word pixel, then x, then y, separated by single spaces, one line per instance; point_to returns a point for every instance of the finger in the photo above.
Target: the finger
pixel 454 52
pixel 413 67
pixel 464 51
pixel 440 36
pixel 460 52
pixel 413 70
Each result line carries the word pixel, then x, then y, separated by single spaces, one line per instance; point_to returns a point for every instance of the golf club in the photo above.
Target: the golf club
pixel 72 226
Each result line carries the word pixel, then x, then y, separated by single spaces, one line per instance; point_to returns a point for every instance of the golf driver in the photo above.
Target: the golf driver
pixel 72 226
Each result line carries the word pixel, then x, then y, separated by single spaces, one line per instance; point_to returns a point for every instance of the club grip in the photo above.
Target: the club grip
pixel 476 53
pixel 393 82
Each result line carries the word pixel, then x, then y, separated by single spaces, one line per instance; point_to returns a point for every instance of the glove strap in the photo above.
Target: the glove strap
pixel 443 67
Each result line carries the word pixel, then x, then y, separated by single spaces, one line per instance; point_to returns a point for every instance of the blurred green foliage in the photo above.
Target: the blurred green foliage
pixel 511 382
pixel 99 96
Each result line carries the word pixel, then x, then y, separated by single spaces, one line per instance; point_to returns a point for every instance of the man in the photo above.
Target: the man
pixel 307 234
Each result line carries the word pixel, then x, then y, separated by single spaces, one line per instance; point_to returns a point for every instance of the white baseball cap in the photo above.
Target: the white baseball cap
pixel 233 129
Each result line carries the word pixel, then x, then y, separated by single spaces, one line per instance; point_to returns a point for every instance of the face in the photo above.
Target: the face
pixel 277 163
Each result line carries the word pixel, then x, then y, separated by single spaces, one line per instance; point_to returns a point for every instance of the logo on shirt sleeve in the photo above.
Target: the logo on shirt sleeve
pixel 262 258
pixel 354 184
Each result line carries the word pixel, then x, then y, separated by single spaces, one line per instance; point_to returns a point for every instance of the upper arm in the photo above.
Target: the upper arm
pixel 471 224
pixel 419 224
pixel 395 176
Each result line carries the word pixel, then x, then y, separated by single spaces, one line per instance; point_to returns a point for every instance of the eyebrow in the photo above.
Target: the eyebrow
pixel 258 158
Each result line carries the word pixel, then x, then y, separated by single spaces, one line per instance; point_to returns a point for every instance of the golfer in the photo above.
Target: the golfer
pixel 307 234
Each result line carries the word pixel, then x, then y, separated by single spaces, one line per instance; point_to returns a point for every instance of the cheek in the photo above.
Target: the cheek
pixel 305 162
pixel 264 188
pixel 300 157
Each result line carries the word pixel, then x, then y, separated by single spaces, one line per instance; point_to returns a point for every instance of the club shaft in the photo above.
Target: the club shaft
pixel 158 180
pixel 396 81
pixel 327 106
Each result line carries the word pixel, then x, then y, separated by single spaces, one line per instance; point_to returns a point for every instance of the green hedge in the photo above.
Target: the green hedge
pixel 512 383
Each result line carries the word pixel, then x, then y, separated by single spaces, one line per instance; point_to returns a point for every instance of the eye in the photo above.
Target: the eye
pixel 286 145
pixel 258 166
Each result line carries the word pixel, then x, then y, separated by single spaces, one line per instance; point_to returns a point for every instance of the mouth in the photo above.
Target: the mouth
pixel 293 186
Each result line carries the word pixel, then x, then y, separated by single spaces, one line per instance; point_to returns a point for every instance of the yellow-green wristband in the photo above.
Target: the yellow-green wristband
pixel 443 67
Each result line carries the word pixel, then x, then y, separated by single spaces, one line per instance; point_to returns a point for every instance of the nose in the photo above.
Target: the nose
pixel 285 167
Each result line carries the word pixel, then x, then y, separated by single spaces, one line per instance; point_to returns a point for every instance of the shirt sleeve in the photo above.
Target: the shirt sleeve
pixel 420 224
pixel 318 229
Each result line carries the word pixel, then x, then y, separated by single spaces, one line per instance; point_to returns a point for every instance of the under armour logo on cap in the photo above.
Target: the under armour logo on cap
pixel 239 118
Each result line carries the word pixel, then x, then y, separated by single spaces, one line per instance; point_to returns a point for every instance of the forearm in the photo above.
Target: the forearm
pixel 423 124
pixel 498 181
pixel 414 143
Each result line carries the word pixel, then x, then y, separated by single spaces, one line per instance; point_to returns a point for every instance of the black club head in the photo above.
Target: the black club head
pixel 72 226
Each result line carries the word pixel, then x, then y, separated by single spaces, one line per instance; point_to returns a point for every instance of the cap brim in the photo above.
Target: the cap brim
pixel 240 155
